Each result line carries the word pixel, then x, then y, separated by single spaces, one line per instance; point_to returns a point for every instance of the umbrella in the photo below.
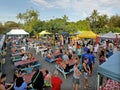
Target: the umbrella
pixel 44 32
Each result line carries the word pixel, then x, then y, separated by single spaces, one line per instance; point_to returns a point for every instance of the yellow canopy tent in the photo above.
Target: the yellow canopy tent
pixel 44 32
pixel 87 34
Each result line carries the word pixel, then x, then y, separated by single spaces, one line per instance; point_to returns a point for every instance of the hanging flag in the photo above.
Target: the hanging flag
pixel 116 40
pixel 97 39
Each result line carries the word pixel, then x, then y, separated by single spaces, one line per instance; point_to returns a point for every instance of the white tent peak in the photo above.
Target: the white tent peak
pixel 109 35
pixel 17 32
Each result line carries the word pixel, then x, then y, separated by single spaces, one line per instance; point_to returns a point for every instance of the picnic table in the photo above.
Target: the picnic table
pixel 60 68
pixel 28 77
pixel 17 54
pixel 57 54
pixel 23 62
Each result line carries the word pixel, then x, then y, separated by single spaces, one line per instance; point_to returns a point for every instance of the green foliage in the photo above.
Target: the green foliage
pixel 56 26
pixel 71 28
pixel 8 26
pixel 30 18
pixel 114 21
pixel 83 25
pixel 30 22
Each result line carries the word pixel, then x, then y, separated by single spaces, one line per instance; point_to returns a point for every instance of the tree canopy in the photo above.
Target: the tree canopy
pixel 31 22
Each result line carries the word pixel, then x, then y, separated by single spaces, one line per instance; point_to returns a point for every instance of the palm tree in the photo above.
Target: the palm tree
pixel 65 18
pixel 102 21
pixel 94 18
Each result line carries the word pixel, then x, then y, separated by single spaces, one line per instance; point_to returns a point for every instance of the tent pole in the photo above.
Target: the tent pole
pixel 98 81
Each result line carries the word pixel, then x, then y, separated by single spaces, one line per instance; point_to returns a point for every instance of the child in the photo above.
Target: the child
pixel 25 57
pixel 29 69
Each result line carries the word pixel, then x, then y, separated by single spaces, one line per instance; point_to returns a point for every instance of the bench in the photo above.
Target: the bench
pixel 17 54
pixel 62 70
pixel 17 59
pixel 33 66
pixel 49 60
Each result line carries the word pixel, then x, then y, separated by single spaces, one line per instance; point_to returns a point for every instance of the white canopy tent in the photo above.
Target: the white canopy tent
pixel 109 35
pixel 78 32
pixel 17 32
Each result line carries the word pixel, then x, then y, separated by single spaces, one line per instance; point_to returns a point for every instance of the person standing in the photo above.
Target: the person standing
pixel 47 80
pixel 91 61
pixel 20 84
pixel 2 79
pixel 38 80
pixel 65 57
pixel 56 81
pixel 87 71
pixel 79 51
pixel 76 76
pixel 4 86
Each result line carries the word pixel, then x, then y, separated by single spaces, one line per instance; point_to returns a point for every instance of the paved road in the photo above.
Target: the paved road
pixel 8 68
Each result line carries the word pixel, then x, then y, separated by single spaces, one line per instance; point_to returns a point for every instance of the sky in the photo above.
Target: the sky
pixel 49 9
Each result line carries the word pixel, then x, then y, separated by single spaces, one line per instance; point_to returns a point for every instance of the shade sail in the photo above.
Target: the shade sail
pixel 17 32
pixel 111 68
pixel 87 34
pixel 44 32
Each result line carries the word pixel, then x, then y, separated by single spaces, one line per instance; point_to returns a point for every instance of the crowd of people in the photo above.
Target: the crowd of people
pixel 84 52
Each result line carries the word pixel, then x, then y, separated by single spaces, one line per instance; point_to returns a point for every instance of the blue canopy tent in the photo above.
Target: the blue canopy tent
pixel 110 68
pixel 65 34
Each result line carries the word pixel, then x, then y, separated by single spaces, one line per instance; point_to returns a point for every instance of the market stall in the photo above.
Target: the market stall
pixel 87 34
pixel 44 33
pixel 109 73
pixel 109 35
pixel 17 32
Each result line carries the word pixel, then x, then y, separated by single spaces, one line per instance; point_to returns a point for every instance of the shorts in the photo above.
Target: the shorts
pixel 85 75
pixel 76 81
pixel 90 67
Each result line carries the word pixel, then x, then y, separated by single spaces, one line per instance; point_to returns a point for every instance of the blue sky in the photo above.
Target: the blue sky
pixel 49 9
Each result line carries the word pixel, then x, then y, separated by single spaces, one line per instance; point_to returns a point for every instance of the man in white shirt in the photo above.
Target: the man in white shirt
pixel 65 57
pixel 25 57
pixel 23 48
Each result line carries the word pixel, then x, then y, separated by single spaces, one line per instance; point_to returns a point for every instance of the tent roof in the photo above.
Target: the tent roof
pixel 111 68
pixel 44 32
pixel 109 35
pixel 17 32
pixel 78 32
pixel 87 34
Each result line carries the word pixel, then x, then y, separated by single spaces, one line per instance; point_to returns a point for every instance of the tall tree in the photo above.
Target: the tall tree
pixel 30 18
pixel 65 18
pixel 83 25
pixel 93 19
pixel 102 21
pixel 114 21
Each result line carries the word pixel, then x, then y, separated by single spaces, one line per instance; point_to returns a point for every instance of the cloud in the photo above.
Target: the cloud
pixel 77 3
pixel 82 7
pixel 42 3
